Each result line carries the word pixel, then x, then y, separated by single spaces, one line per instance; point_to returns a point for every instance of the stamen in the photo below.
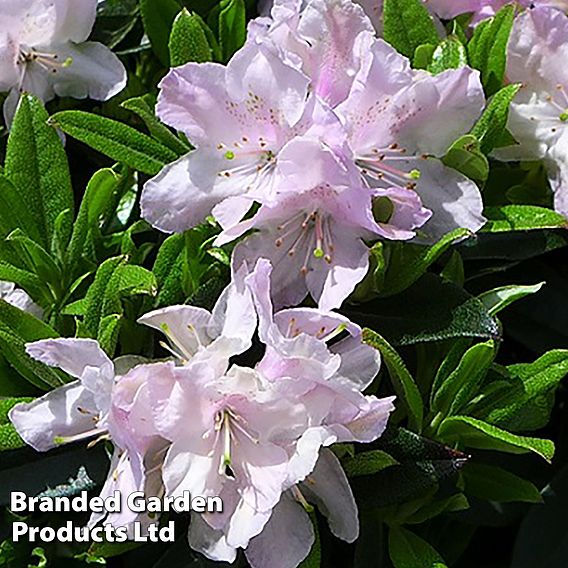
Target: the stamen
pixel 301 499
pixel 335 333
pixel 82 436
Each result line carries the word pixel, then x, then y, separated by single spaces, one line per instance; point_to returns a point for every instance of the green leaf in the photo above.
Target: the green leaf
pixel 188 40
pixel 525 398
pixel 158 17
pixel 495 484
pixel 407 25
pixel 422 465
pixel 522 218
pixel 409 551
pixel 465 156
pixel 487 49
pixel 18 328
pixel 423 56
pixel 491 127
pixel 141 107
pixel 462 383
pixel 9 438
pixel 450 54
pixel 27 280
pixel 100 190
pixel 15 211
pixel 232 27
pixel 498 299
pixel 432 509
pixel 402 380
pixel 430 310
pixel 116 140
pixel 95 298
pixel 169 270
pixel 475 433
pixel 408 262
pixel 114 281
pixel 36 165
pixel 368 463
pixel 38 260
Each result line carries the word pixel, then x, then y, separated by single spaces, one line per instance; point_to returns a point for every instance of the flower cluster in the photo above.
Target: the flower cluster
pixel 329 130
pixel 199 423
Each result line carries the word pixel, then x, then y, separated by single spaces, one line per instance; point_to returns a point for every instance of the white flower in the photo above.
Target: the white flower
pixel 538 117
pixel 43 50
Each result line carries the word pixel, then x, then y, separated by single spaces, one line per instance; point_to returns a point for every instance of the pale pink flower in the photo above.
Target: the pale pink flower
pixel 44 51
pixel 538 116
pixel 107 401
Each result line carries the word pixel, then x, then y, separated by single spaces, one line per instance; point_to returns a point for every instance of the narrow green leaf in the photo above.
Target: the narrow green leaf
pixel 402 380
pixel 36 165
pixel 232 27
pixel 15 212
pixel 525 396
pixel 116 140
pixel 409 551
pixel 368 463
pixel 498 299
pixel 461 385
pixel 465 156
pixel 522 218
pixel 188 41
pixel 495 484
pixel 142 107
pixel 98 194
pixel 407 25
pixel 475 433
pixel 38 260
pixel 158 17
pixel 433 509
pixel 27 280
pixel 408 262
pixel 491 127
pixel 487 49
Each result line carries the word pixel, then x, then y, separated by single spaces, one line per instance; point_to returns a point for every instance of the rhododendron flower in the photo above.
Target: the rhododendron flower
pixel 43 50
pixel 254 435
pixel 288 536
pixel 17 297
pixel 313 231
pixel 224 332
pixel 538 116
pixel 238 119
pixel 326 39
pixel 106 402
pixel 401 121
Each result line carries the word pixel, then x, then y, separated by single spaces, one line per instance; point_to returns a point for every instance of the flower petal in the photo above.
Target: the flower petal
pixel 210 542
pixel 71 355
pixel 95 72
pixel 64 412
pixel 286 539
pixel 454 199
pixel 328 488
